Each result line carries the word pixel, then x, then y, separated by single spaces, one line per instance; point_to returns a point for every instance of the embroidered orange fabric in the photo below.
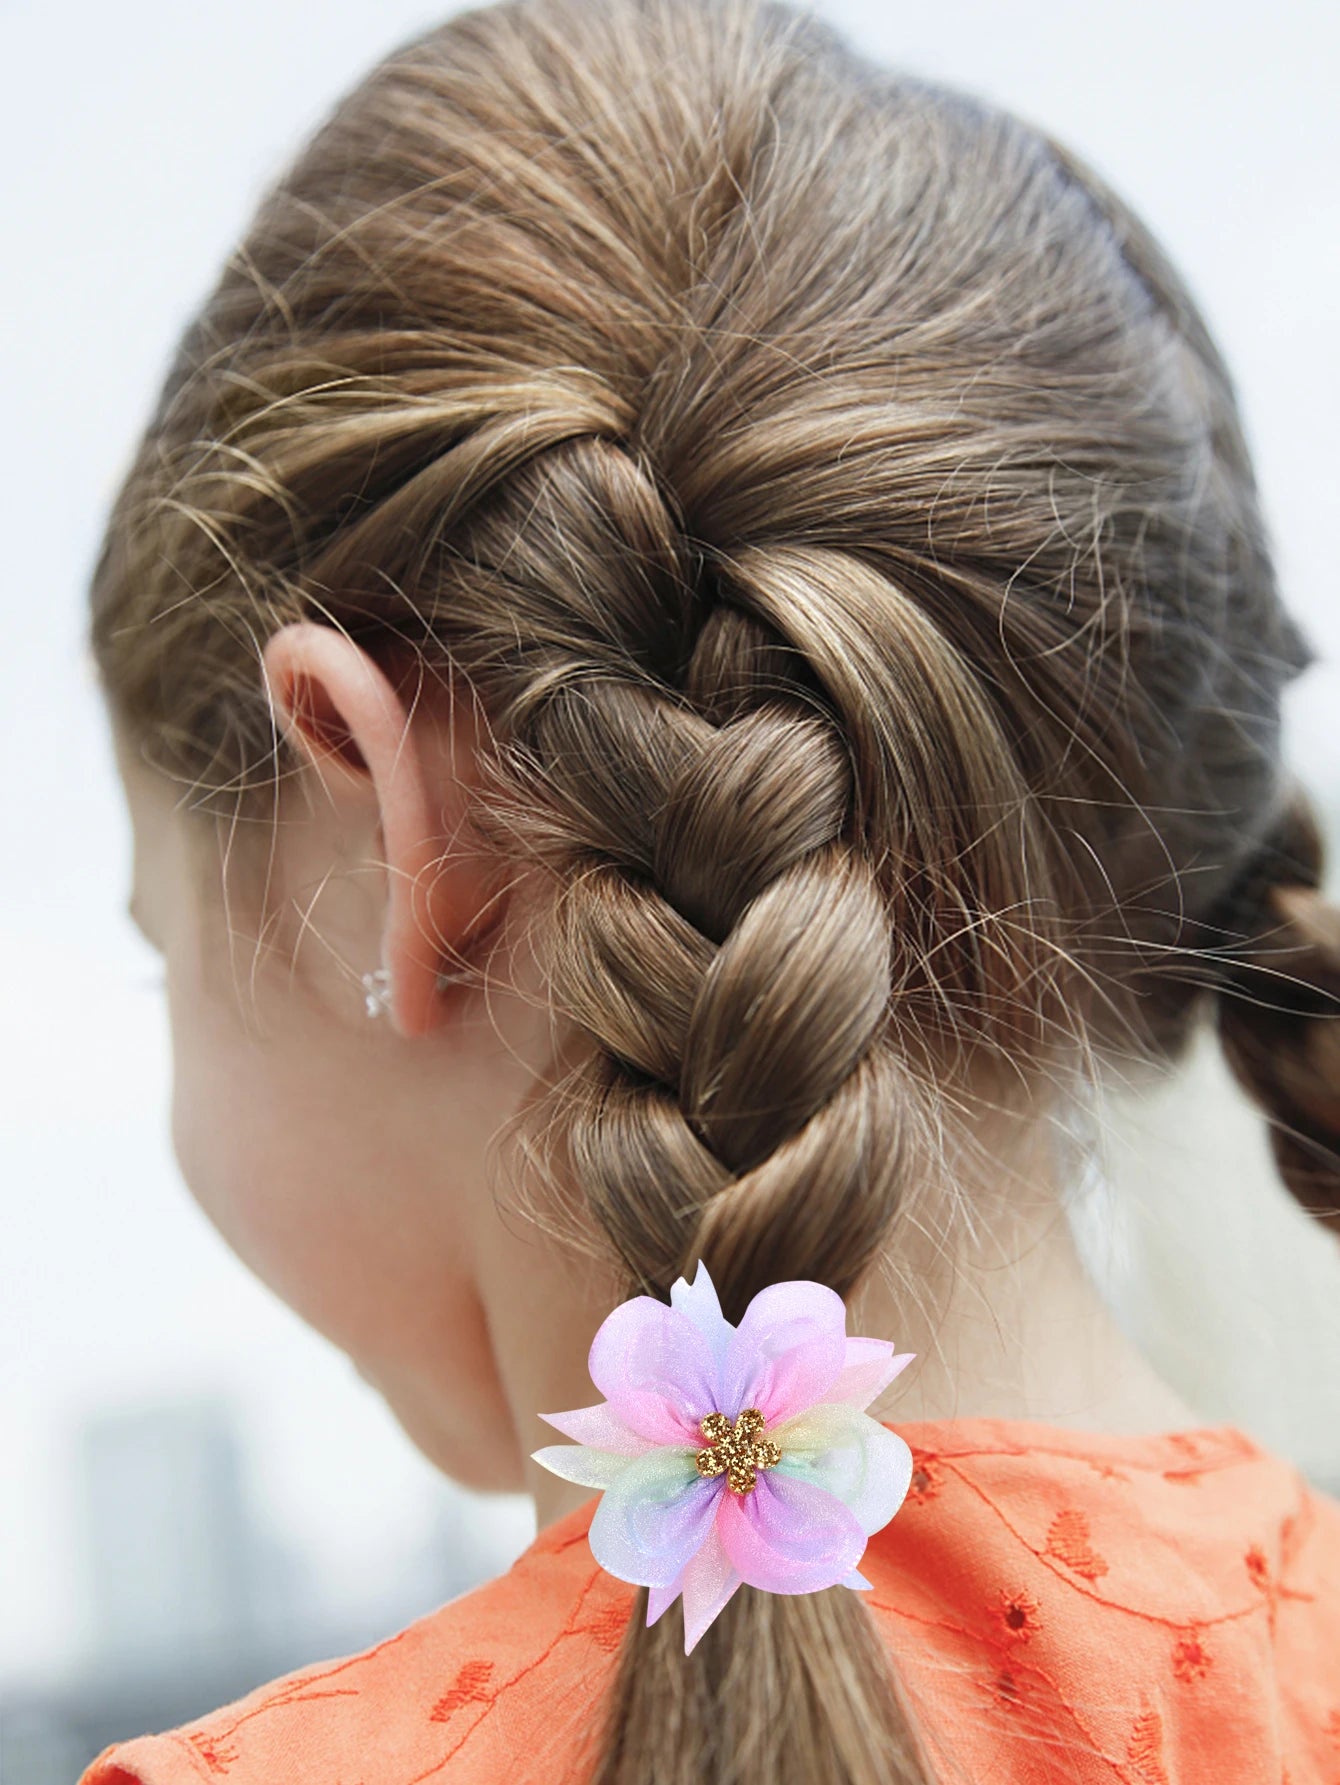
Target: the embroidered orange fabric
pixel 1066 1607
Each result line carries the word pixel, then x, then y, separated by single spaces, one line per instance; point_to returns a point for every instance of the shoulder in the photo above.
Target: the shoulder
pixel 1138 1603
pixel 513 1668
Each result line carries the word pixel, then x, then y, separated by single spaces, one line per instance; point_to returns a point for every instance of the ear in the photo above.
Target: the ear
pixel 348 721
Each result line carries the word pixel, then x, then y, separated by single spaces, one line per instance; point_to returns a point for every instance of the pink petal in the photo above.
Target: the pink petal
pixel 660 1599
pixel 787 1351
pixel 788 1536
pixel 600 1427
pixel 869 1368
pixel 655 1368
pixel 709 1581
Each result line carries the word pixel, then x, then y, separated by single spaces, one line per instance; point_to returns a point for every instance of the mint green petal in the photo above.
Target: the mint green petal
pixel 849 1454
pixel 583 1464
pixel 655 1517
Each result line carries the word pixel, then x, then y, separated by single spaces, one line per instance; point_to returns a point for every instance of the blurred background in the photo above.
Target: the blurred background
pixel 197 1493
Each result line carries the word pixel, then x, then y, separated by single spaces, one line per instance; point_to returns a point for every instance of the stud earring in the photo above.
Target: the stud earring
pixel 377 987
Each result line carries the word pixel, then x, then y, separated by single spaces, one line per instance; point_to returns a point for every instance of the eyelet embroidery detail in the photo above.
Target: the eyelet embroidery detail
pixel 1018 1614
pixel 927 1476
pixel 1190 1658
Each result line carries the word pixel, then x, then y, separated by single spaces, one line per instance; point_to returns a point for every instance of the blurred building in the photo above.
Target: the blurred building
pixel 176 1563
pixel 192 1601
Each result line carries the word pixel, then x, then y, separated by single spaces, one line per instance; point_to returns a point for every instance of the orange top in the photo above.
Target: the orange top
pixel 1067 1607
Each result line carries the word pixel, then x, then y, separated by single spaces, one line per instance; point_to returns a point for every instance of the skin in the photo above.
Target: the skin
pixel 356 1166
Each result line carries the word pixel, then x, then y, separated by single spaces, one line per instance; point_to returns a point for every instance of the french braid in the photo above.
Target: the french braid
pixel 721 930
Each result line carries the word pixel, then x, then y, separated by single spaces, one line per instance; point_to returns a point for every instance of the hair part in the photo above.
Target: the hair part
pixel 837 504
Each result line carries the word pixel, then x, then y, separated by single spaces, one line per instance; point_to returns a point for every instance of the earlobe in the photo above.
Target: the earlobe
pixel 339 708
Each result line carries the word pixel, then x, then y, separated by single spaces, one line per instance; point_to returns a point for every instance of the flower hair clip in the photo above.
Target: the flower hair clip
pixel 733 1454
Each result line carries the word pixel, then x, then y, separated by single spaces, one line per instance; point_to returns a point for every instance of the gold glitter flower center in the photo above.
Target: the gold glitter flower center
pixel 736 1449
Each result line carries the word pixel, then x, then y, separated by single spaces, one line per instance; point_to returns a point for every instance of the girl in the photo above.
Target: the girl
pixel 695 664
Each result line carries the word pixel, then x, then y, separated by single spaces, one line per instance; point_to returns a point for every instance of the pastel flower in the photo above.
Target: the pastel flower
pixel 733 1454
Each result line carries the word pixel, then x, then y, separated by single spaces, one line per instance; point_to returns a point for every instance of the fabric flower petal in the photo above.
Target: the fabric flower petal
pixel 600 1427
pixel 660 1599
pixel 582 1464
pixel 655 1369
pixel 869 1368
pixel 787 1351
pixel 699 1301
pixel 857 1580
pixel 653 1517
pixel 789 1536
pixel 836 1447
pixel 710 1578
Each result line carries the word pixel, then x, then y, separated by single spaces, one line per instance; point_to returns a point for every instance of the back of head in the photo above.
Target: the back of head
pixel 837 505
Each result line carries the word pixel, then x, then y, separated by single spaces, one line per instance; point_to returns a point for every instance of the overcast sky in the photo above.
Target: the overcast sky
pixel 136 138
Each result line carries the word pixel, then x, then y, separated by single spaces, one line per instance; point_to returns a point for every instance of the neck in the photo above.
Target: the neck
pixel 1009 1328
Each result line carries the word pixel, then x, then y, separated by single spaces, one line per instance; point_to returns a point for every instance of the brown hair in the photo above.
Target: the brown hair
pixel 834 499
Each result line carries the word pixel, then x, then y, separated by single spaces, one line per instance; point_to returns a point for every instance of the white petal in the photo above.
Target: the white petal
pixel 579 1463
pixel 700 1302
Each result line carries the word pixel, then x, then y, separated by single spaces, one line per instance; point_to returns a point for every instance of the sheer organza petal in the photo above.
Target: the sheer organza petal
pixel 652 1518
pixel 660 1599
pixel 710 1578
pixel 601 1427
pixel 655 1369
pixel 787 1350
pixel 869 1368
pixel 849 1455
pixel 699 1301
pixel 579 1463
pixel 789 1536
